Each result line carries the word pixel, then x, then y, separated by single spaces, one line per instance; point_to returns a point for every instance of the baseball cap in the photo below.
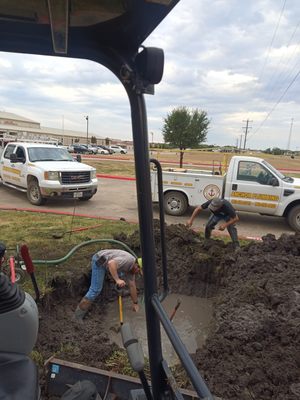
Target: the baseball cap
pixel 215 204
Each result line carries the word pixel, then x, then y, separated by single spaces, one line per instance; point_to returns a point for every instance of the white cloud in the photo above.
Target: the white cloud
pixel 4 63
pixel 227 81
pixel 217 58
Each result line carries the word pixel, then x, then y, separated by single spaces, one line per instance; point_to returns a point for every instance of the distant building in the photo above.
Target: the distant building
pixel 16 127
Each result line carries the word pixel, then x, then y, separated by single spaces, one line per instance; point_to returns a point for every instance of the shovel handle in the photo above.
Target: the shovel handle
pixel 121 309
pixel 119 290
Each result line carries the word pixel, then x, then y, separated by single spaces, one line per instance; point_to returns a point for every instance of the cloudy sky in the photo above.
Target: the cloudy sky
pixel 237 60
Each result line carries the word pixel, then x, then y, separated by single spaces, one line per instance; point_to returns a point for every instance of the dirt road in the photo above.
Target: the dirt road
pixel 117 199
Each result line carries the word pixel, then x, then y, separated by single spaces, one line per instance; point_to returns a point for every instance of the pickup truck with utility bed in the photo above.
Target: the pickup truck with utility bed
pixel 251 184
pixel 44 171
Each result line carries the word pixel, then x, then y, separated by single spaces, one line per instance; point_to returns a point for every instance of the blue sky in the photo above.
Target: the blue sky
pixel 237 60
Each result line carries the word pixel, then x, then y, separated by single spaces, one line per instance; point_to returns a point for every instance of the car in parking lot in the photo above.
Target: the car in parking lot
pixel 105 149
pixel 92 148
pixel 81 149
pixel 102 151
pixel 118 149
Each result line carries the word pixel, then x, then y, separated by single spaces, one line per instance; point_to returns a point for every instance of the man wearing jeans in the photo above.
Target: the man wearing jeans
pixel 220 209
pixel 120 264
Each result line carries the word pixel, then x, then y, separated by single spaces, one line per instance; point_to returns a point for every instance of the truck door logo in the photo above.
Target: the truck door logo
pixel 211 191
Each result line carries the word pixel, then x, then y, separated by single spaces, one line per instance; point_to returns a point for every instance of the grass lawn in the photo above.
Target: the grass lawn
pixel 39 230
pixel 199 159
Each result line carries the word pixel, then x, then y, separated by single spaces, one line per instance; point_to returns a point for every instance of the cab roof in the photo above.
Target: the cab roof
pixel 93 29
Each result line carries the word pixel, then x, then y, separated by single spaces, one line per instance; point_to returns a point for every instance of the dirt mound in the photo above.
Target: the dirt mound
pixel 253 350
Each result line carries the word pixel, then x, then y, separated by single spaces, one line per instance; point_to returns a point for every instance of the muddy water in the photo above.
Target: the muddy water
pixel 191 321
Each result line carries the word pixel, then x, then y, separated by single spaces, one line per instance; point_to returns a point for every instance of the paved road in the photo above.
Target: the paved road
pixel 117 199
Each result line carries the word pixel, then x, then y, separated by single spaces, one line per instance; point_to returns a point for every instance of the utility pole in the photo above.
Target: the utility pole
pixel 63 128
pixel 290 134
pixel 240 146
pixel 247 127
pixel 87 129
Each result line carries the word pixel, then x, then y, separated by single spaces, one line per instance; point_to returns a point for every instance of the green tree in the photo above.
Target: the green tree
pixel 277 151
pixel 185 128
pixel 268 151
pixel 93 140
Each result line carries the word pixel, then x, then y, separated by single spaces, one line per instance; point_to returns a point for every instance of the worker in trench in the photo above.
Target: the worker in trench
pixel 221 210
pixel 122 266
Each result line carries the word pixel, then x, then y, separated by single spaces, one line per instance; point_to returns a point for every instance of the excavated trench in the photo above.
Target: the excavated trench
pixel 252 349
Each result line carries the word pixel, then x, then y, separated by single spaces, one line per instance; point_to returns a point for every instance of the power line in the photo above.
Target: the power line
pixel 276 104
pixel 287 59
pixel 272 41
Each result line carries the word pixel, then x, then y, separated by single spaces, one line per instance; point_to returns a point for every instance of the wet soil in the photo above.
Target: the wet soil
pixel 253 349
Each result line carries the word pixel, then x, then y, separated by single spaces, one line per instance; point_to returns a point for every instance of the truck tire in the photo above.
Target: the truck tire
pixel 293 218
pixel 175 203
pixel 34 193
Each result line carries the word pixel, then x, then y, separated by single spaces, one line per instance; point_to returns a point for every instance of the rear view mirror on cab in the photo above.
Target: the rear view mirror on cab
pixel 14 159
pixel 274 182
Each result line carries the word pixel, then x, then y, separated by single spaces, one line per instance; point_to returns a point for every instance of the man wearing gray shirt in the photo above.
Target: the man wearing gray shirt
pixel 120 264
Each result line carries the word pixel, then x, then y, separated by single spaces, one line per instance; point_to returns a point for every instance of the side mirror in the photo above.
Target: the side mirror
pixel 13 158
pixel 78 157
pixel 150 64
pixel 274 182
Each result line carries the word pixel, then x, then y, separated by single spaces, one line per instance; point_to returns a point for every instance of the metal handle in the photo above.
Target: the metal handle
pixel 162 228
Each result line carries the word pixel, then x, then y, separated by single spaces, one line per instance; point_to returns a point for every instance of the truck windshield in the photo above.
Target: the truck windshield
pixel 277 173
pixel 48 154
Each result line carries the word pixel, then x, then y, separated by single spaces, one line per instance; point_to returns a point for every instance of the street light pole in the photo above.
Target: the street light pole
pixel 87 129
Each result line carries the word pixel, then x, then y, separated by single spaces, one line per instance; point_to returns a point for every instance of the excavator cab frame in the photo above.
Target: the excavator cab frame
pixel 111 33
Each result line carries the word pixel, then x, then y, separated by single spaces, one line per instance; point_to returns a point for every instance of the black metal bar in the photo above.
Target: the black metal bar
pixel 162 228
pixel 196 379
pixel 146 386
pixel 171 381
pixel 144 200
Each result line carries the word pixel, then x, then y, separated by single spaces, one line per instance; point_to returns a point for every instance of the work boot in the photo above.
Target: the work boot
pixel 82 309
pixel 207 232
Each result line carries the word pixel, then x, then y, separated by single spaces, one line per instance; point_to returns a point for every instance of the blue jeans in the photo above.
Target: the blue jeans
pixel 212 222
pixel 98 275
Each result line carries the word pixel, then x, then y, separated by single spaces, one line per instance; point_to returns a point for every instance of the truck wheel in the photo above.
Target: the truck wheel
pixel 34 193
pixel 175 203
pixel 294 218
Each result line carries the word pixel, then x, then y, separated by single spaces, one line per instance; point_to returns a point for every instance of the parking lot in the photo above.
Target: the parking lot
pixel 116 199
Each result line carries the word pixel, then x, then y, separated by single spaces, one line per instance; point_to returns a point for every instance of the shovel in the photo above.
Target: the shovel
pixel 175 309
pixel 120 292
pixel 61 235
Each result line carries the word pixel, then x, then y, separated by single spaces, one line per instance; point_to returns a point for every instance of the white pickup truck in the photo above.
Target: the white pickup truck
pixel 251 184
pixel 44 171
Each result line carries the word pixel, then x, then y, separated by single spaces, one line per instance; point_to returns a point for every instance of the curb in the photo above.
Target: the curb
pixel 123 178
pixel 71 214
